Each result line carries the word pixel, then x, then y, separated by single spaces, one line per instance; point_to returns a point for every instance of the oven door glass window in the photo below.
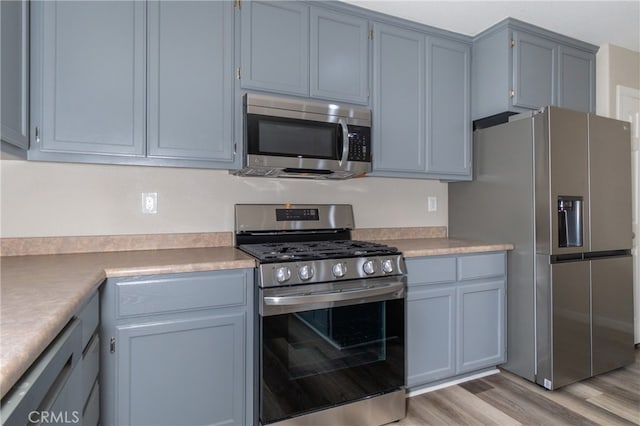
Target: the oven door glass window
pixel 318 359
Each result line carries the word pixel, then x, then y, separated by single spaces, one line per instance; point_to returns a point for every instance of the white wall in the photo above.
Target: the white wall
pixel 614 66
pixel 56 199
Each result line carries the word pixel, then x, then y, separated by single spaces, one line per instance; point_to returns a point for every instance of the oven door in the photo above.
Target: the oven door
pixel 323 345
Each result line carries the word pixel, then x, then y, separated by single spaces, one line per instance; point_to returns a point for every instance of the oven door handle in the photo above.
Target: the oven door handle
pixel 393 288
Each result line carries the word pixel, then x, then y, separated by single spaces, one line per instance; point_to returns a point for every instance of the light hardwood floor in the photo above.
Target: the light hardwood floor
pixel 506 399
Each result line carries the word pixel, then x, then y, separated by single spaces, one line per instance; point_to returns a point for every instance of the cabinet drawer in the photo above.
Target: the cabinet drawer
pixel 51 382
pixel 90 367
pixel 181 293
pixel 433 270
pixel 89 317
pixel 481 266
pixel 92 409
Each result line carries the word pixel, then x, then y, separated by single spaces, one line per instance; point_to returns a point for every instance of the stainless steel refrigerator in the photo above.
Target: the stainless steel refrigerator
pixel 557 184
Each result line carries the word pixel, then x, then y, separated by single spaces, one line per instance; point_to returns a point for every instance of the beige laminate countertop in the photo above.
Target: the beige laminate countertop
pixel 417 247
pixel 40 294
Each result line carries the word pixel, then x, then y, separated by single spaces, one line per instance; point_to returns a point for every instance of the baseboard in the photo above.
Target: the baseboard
pixel 452 382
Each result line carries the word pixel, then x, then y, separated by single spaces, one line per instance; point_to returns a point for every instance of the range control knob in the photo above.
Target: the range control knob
pixel 339 269
pixel 369 267
pixel 387 266
pixel 283 273
pixel 305 272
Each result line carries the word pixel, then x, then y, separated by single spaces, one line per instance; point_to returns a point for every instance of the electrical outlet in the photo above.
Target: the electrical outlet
pixel 149 202
pixel 432 204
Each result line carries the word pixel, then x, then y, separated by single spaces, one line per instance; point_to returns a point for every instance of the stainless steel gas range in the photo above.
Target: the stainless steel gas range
pixel 330 317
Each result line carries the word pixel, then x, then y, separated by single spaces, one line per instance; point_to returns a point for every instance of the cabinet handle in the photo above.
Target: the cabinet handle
pixel 512 93
pixel 37 135
pixel 112 345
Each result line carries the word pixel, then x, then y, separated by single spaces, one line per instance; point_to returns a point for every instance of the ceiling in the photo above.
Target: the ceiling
pixel 596 22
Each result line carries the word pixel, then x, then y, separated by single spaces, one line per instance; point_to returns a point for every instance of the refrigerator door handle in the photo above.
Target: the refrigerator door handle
pixel 562 258
pixel 608 253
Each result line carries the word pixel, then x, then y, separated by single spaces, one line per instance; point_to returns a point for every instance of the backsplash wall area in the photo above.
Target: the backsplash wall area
pixel 41 199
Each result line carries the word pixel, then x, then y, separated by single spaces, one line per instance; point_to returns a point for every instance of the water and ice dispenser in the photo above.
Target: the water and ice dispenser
pixel 570 218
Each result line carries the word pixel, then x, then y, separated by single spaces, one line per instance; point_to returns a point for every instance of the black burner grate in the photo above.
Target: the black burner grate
pixel 312 250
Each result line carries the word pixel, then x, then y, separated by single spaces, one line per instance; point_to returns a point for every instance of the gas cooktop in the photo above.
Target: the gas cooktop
pixel 314 250
pixel 310 244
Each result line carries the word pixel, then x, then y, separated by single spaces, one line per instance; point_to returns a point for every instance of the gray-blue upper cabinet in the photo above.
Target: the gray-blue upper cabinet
pixel 448 109
pixel 339 67
pixel 576 79
pixel 275 47
pixel 293 48
pixel 133 82
pixel 398 100
pixel 534 65
pixel 191 74
pixel 14 87
pixel 88 77
pixel 421 105
pixel 518 67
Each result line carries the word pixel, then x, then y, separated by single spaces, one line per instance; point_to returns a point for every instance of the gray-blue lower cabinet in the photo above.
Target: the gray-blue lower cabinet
pixel 480 325
pixel 431 334
pixel 455 316
pixel 50 392
pixel 176 349
pixel 89 317
pixel 61 386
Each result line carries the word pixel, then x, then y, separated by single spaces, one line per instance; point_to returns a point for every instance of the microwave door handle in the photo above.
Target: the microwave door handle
pixel 345 142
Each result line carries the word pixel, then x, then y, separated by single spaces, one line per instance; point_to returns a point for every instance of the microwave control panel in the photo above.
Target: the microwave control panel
pixel 359 143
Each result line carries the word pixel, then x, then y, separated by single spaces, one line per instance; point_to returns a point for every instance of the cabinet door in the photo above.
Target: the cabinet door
pixel 275 47
pixel 15 73
pixel 339 56
pixel 449 107
pixel 534 71
pixel 399 99
pixel 88 87
pixel 430 334
pixel 160 383
pixel 480 326
pixel 576 79
pixel 190 80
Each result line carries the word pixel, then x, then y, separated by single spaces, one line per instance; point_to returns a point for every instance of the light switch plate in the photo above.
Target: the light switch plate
pixel 432 204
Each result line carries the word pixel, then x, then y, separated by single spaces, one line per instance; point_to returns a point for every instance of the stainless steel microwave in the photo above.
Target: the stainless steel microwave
pixel 286 137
